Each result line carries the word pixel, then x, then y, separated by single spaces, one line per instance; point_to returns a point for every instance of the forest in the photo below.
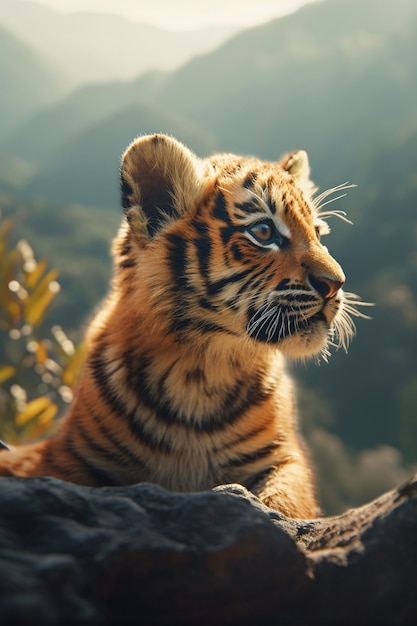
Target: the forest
pixel 337 78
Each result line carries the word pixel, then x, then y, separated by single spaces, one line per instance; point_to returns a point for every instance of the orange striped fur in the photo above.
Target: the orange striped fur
pixel 219 275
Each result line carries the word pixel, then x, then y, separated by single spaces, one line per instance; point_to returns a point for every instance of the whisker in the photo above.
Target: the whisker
pixel 343 327
pixel 352 300
pixel 327 192
pixel 277 322
pixel 319 204
pixel 324 215
pixel 260 321
pixel 265 324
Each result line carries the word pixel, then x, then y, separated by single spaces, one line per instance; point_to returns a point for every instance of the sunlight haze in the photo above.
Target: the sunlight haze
pixel 184 14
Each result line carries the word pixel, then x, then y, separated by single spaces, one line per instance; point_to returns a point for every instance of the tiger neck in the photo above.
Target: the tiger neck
pixel 189 382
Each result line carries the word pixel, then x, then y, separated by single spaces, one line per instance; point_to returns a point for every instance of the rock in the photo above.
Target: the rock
pixel 139 554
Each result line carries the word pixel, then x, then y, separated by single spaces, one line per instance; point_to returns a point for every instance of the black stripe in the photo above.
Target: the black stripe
pixel 177 248
pixel 180 319
pixel 126 264
pixel 245 436
pixel 204 250
pixel 250 179
pixel 119 408
pixel 219 210
pixel 235 401
pixel 258 477
pixel 203 247
pixel 180 324
pixel 50 459
pixel 203 327
pixel 283 284
pixel 227 232
pixel 206 304
pixel 236 252
pixel 196 375
pixel 219 285
pixel 251 457
pixel 249 206
pixel 127 248
pixel 206 328
pixel 300 297
pixel 272 205
pixel 124 453
pixel 123 246
pixel 126 191
pixel 99 476
pixel 164 377
pixel 252 283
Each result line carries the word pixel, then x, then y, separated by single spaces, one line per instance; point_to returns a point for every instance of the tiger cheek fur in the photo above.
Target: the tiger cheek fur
pixel 219 273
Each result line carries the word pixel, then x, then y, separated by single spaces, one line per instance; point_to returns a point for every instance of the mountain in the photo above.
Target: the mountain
pixel 37 140
pixel 93 47
pixel 91 157
pixel 332 78
pixel 323 78
pixel 27 82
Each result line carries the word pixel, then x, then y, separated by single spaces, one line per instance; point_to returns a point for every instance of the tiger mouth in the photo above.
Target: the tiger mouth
pixel 274 329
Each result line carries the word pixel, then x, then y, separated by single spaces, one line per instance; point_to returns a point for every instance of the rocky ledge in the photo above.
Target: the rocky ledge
pixel 142 555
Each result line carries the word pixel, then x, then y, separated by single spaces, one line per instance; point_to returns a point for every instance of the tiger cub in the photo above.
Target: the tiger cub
pixel 219 276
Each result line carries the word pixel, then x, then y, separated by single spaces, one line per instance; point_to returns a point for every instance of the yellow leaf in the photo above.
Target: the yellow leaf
pixel 44 283
pixel 33 276
pixel 5 228
pixel 6 372
pixel 33 409
pixel 15 310
pixel 41 353
pixel 73 369
pixel 8 269
pixel 35 308
pixel 47 416
pixel 42 425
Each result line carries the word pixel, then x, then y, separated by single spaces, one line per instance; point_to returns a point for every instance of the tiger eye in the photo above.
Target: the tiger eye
pixel 263 232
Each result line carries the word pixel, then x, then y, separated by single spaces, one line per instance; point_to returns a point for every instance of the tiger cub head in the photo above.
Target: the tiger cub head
pixel 230 247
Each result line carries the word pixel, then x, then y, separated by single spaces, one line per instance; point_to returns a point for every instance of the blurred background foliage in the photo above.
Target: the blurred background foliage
pixel 337 78
pixel 39 365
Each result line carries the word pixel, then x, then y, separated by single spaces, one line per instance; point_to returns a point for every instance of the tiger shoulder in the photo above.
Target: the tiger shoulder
pixel 219 277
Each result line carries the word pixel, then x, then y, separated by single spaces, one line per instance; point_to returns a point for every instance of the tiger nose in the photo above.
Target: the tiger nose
pixel 327 287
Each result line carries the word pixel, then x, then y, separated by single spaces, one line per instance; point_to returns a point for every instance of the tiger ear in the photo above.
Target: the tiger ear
pixel 297 164
pixel 159 182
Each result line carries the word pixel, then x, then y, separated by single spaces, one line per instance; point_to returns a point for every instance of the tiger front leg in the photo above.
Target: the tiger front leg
pixel 289 489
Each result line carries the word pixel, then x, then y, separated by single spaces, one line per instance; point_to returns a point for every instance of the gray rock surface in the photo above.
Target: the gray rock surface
pixel 142 555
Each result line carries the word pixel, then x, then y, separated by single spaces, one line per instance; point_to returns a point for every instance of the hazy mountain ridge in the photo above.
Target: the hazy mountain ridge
pixel 37 139
pixel 27 82
pixel 94 47
pixel 92 156
pixel 318 79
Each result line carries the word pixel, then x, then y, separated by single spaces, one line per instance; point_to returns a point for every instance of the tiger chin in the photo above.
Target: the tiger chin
pixel 219 275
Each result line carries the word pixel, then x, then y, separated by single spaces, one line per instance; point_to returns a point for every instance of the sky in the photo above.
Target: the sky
pixel 185 14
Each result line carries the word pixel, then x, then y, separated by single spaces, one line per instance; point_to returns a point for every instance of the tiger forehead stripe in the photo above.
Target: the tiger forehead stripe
pixel 251 208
